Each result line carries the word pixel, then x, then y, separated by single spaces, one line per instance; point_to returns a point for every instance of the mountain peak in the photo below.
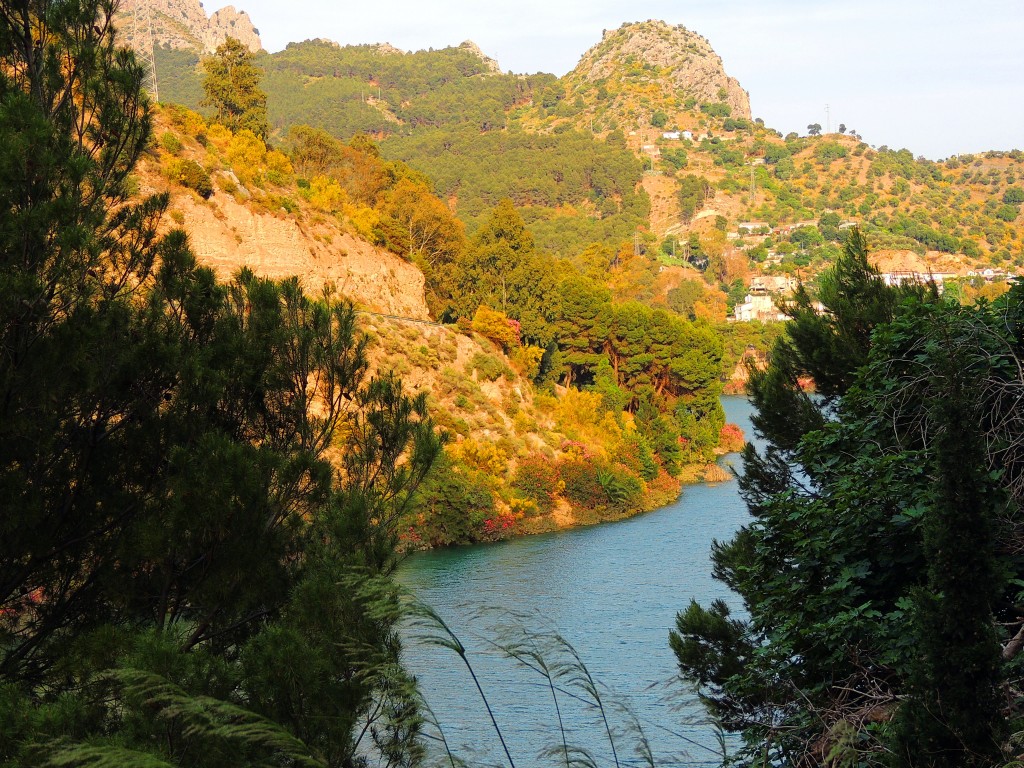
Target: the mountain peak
pixel 642 53
pixel 184 25
pixel 473 48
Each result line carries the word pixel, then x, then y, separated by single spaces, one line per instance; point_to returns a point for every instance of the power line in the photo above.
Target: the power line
pixel 144 43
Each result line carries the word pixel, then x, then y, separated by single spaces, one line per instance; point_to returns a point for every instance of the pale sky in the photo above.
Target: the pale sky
pixel 939 77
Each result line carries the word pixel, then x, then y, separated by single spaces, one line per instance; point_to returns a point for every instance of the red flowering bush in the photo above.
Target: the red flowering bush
pixel 730 439
pixel 499 526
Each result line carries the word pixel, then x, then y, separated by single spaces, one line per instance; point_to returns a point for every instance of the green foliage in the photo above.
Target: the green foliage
pixel 827 151
pixel 716 109
pixel 582 484
pixel 539 173
pixel 172 534
pixel 1007 213
pixel 231 85
pixel 952 716
pixel 347 90
pixel 452 506
pixel 191 174
pixel 501 268
pixel 694 191
pixel 676 158
pixel 1013 195
pixel 489 367
pixel 170 142
pixel 538 477
pixel 180 80
pixel 871 572
pixel 496 327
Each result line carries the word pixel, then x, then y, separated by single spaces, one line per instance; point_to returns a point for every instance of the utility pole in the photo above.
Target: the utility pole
pixel 828 119
pixel 145 45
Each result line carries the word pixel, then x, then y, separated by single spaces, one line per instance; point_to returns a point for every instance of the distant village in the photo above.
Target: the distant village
pixel 768 292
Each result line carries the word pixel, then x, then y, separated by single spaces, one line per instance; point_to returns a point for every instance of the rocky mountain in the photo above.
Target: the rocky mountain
pixel 647 141
pixel 668 66
pixel 491 64
pixel 183 25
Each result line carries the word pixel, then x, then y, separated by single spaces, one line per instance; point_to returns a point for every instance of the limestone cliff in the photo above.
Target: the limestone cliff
pixel 654 56
pixel 184 25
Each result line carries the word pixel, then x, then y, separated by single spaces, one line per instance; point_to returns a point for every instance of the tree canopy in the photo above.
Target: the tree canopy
pixel 231 85
pixel 172 532
pixel 874 571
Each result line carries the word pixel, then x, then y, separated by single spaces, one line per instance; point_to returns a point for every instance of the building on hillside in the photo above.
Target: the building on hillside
pixel 752 227
pixel 786 229
pixel 671 135
pixel 758 306
pixel 910 277
pixel 989 275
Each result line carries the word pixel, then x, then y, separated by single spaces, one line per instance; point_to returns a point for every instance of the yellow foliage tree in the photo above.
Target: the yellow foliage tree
pixel 247 154
pixel 495 325
pixel 325 194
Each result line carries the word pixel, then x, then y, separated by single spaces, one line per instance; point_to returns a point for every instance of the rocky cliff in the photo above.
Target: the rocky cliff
pixel 184 25
pixel 675 60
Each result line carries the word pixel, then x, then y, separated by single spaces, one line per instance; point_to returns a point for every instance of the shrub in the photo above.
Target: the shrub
pixel 636 455
pixel 489 367
pixel 192 175
pixel 581 484
pixel 730 438
pixel 453 505
pixel 1007 213
pixel 717 109
pixel 623 490
pixel 170 143
pixel 496 327
pixel 538 478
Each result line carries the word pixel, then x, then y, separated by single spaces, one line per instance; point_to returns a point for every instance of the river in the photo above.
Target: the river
pixel 613 592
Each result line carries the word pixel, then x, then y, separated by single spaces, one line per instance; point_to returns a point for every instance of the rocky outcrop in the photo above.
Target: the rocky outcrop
pixel 184 25
pixel 227 235
pixel 228 22
pixel 491 64
pixel 673 57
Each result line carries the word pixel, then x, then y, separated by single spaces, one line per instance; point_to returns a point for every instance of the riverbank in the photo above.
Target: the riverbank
pixel 548 495
pixel 612 591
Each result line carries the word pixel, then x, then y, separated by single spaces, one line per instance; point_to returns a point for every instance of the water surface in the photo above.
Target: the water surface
pixel 613 592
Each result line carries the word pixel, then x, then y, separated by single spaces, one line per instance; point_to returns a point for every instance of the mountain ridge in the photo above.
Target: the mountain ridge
pixel 183 25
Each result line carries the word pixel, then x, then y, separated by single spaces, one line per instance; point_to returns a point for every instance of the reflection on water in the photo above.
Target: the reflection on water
pixel 613 592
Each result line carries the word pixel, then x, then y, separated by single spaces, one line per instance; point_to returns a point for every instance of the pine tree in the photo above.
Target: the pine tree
pixel 170 524
pixel 232 88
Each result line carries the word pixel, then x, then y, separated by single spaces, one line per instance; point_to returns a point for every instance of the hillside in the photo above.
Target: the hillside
pixel 649 67
pixel 523 457
pixel 569 153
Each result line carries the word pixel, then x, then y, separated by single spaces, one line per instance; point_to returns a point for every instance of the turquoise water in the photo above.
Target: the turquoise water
pixel 613 592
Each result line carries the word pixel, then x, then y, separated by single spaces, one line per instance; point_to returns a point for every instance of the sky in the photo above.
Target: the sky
pixel 938 77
